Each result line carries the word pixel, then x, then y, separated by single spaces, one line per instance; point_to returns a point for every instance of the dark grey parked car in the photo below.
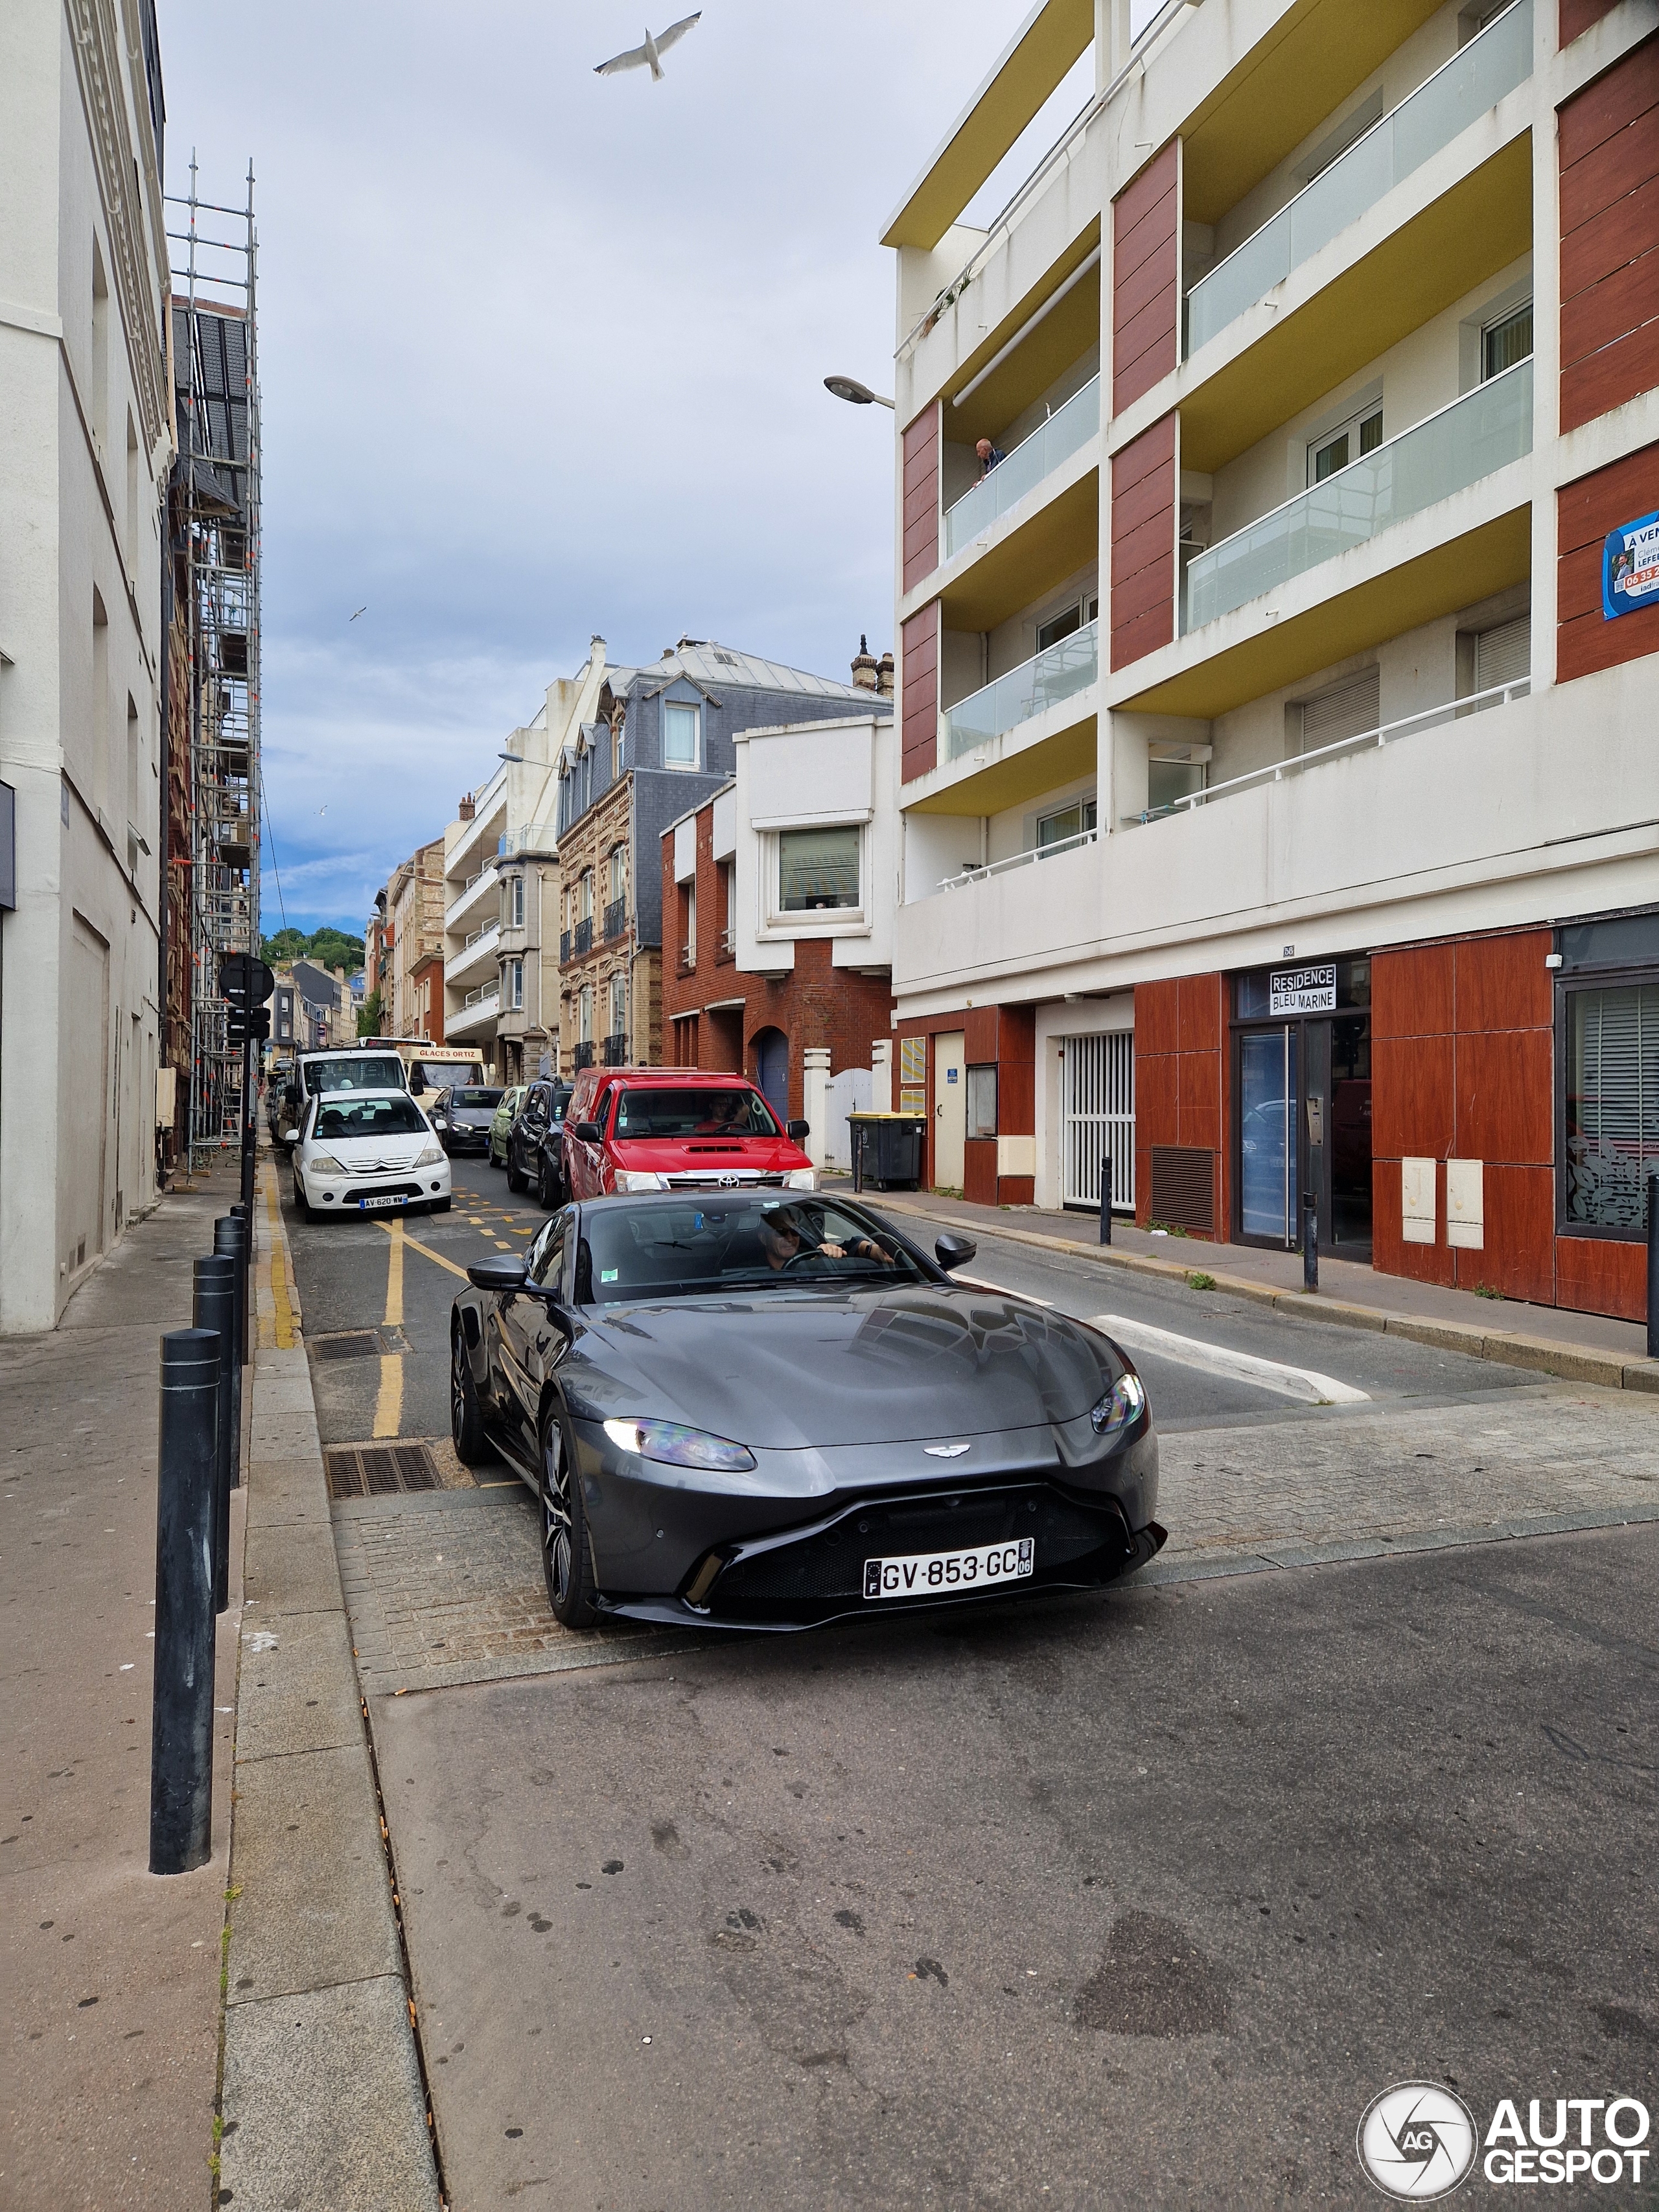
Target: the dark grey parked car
pixel 535 1149
pixel 751 1409
pixel 462 1116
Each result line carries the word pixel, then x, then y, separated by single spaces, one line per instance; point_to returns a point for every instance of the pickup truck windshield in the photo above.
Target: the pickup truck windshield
pixel 693 1113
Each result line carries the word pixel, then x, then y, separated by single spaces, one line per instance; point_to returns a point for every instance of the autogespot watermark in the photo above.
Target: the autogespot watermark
pixel 1418 2141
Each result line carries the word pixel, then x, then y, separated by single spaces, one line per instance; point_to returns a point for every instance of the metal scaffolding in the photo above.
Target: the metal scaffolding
pixel 214 573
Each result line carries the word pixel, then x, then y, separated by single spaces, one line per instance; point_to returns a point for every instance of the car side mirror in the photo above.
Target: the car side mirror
pixel 951 1251
pixel 587 1133
pixel 290 1136
pixel 504 1273
pixel 798 1132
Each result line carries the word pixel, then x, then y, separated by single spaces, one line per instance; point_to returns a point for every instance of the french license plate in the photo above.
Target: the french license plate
pixel 393 1198
pixel 926 1573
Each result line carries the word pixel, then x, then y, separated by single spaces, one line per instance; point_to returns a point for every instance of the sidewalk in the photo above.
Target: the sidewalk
pixel 1576 1346
pixel 111 1974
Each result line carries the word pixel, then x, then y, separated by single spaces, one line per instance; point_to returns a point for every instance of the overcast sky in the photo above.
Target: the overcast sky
pixel 542 354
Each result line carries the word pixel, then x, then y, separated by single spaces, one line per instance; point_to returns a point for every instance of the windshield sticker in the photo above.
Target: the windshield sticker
pixel 608 1274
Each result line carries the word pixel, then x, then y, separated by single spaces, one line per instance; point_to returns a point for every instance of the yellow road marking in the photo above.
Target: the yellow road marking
pixel 389 1405
pixel 413 1244
pixel 283 1333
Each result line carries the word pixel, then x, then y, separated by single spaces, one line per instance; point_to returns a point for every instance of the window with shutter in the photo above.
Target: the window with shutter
pixel 1612 1104
pixel 1348 712
pixel 1504 655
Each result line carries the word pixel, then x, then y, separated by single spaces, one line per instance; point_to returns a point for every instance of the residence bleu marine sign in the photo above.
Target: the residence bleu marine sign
pixel 1303 990
pixel 1630 567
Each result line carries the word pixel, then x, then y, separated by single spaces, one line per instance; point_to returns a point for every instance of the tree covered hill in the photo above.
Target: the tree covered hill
pixel 328 946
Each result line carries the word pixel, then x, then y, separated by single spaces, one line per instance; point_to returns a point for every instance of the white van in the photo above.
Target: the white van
pixel 352 1067
pixel 428 1069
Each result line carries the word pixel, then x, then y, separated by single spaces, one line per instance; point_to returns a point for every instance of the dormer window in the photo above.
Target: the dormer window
pixel 680 734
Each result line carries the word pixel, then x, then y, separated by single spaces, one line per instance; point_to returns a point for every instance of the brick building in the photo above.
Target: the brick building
pixel 777 911
pixel 660 737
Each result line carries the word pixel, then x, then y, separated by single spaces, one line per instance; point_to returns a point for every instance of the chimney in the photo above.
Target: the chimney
pixel 864 667
pixel 466 806
pixel 884 676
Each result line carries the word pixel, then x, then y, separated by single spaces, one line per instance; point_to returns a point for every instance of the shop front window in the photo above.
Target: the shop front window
pixel 1612 1105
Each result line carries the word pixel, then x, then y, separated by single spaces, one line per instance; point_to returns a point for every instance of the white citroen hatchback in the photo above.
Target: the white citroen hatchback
pixel 368 1152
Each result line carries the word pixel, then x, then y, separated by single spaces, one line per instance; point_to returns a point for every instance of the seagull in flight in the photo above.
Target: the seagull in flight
pixel 361 611
pixel 651 52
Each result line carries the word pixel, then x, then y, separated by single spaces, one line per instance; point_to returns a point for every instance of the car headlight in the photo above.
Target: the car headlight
pixel 801 1179
pixel 431 1157
pixel 323 1163
pixel 679 1447
pixel 639 1179
pixel 1121 1409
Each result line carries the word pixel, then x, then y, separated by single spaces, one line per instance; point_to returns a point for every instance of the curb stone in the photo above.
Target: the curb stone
pixel 1569 1363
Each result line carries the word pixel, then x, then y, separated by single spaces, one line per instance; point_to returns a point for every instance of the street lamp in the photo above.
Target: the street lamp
pixel 849 388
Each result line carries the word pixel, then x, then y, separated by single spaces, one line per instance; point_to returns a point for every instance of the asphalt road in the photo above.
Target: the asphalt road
pixel 1135 1901
pixel 346 1273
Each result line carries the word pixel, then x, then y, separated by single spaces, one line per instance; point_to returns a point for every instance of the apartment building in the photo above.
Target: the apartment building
pixel 414 923
pixel 644 745
pixel 777 896
pixel 1277 784
pixel 86 445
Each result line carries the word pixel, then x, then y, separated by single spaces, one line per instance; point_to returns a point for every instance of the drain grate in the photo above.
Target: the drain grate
pixel 347 1344
pixel 379 1470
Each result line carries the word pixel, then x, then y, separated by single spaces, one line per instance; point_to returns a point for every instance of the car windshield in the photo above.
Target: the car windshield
pixel 636 1252
pixel 668 1111
pixel 439 1075
pixel 369 1117
pixel 476 1097
pixel 354 1072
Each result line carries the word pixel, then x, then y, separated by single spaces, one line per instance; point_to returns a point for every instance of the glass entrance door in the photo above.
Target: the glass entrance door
pixel 1269 1091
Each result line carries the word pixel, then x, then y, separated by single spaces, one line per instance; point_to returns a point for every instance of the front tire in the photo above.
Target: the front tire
pixel 515 1181
pixel 567 1561
pixel 466 1427
pixel 547 1189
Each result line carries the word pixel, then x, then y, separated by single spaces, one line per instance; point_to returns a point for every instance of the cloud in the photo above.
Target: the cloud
pixel 542 354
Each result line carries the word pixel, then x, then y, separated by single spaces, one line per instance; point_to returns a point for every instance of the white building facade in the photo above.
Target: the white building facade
pixel 86 439
pixel 1277 793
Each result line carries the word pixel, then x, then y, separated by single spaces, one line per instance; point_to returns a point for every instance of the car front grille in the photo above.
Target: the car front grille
pixel 823 1570
pixel 380 1167
pixel 723 1179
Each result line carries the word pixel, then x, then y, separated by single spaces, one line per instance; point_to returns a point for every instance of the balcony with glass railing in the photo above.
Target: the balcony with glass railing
pixel 1052 676
pixel 476 892
pixel 1473 437
pixel 477 955
pixel 1052 441
pixel 1427 119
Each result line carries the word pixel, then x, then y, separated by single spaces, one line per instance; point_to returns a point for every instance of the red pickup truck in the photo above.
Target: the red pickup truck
pixel 677 1128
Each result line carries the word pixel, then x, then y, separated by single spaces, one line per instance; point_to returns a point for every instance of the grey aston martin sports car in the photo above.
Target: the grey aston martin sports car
pixel 762 1410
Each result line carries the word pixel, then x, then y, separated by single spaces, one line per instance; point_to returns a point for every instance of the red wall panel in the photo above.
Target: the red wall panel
pixel 1577 15
pixel 1181 1080
pixel 1143 543
pixel 1595 1274
pixel 921 497
pixel 1607 150
pixel 1145 279
pixel 1586 512
pixel 919 693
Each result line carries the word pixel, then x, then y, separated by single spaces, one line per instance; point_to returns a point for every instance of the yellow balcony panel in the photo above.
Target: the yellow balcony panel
pixel 1280 92
pixel 1437 582
pixel 1008 770
pixel 1042 51
pixel 1034 555
pixel 1478 226
pixel 1065 332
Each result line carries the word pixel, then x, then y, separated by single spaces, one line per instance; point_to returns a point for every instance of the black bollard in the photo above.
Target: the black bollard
pixel 1653 1264
pixel 1310 1243
pixel 228 1236
pixel 1105 1198
pixel 181 1734
pixel 214 1307
pixel 246 1264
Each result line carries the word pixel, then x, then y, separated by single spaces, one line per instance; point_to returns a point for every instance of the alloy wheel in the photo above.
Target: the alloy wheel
pixel 555 1515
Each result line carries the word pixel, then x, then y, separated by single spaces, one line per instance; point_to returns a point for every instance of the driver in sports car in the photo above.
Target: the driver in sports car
pixel 783 1234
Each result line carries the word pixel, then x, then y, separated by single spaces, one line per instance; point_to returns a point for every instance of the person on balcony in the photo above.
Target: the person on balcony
pixel 988 458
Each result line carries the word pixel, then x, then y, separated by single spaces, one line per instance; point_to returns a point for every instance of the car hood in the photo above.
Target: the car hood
pixel 471 1117
pixel 710 1156
pixel 786 1370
